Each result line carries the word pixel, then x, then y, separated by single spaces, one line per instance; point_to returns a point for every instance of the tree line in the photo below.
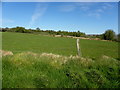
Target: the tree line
pixel 38 30
pixel 107 35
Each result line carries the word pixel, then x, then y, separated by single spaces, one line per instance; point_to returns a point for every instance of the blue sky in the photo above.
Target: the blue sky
pixel 91 18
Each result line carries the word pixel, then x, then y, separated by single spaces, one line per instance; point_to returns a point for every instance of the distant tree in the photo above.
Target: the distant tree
pixel 20 29
pixel 6 28
pixel 109 35
pixel 37 28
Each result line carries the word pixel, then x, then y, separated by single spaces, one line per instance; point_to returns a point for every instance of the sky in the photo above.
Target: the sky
pixel 87 17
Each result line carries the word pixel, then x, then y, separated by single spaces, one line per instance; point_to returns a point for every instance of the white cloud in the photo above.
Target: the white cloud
pixel 97 15
pixel 102 9
pixel 84 8
pixel 99 10
pixel 38 13
pixel 67 8
pixel 88 8
pixel 107 6
pixel 77 5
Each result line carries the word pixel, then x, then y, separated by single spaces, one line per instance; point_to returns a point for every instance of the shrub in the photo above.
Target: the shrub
pixel 109 35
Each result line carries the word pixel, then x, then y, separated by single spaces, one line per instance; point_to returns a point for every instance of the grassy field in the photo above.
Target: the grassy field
pixel 31 70
pixel 19 42
pixel 33 65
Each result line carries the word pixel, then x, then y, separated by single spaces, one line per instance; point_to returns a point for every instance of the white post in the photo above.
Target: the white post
pixel 78 48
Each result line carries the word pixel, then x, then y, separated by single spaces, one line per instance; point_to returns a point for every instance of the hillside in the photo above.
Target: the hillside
pixel 19 42
pixel 34 61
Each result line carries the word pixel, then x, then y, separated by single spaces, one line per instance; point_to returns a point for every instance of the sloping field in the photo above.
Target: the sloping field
pixel 19 42
pixel 36 61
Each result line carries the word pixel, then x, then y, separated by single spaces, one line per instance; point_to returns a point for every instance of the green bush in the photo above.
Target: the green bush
pixel 109 35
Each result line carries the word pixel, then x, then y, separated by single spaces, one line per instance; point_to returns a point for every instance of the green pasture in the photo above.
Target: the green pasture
pixel 19 42
pixel 33 65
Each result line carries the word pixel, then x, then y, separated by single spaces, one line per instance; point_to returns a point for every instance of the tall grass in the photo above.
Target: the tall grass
pixel 32 70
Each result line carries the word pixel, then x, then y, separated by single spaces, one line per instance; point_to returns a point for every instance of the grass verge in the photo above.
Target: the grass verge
pixel 32 70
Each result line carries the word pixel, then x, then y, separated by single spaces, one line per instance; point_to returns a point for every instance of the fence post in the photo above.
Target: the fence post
pixel 78 48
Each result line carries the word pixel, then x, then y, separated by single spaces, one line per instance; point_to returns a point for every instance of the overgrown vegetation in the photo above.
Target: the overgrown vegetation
pixel 32 70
